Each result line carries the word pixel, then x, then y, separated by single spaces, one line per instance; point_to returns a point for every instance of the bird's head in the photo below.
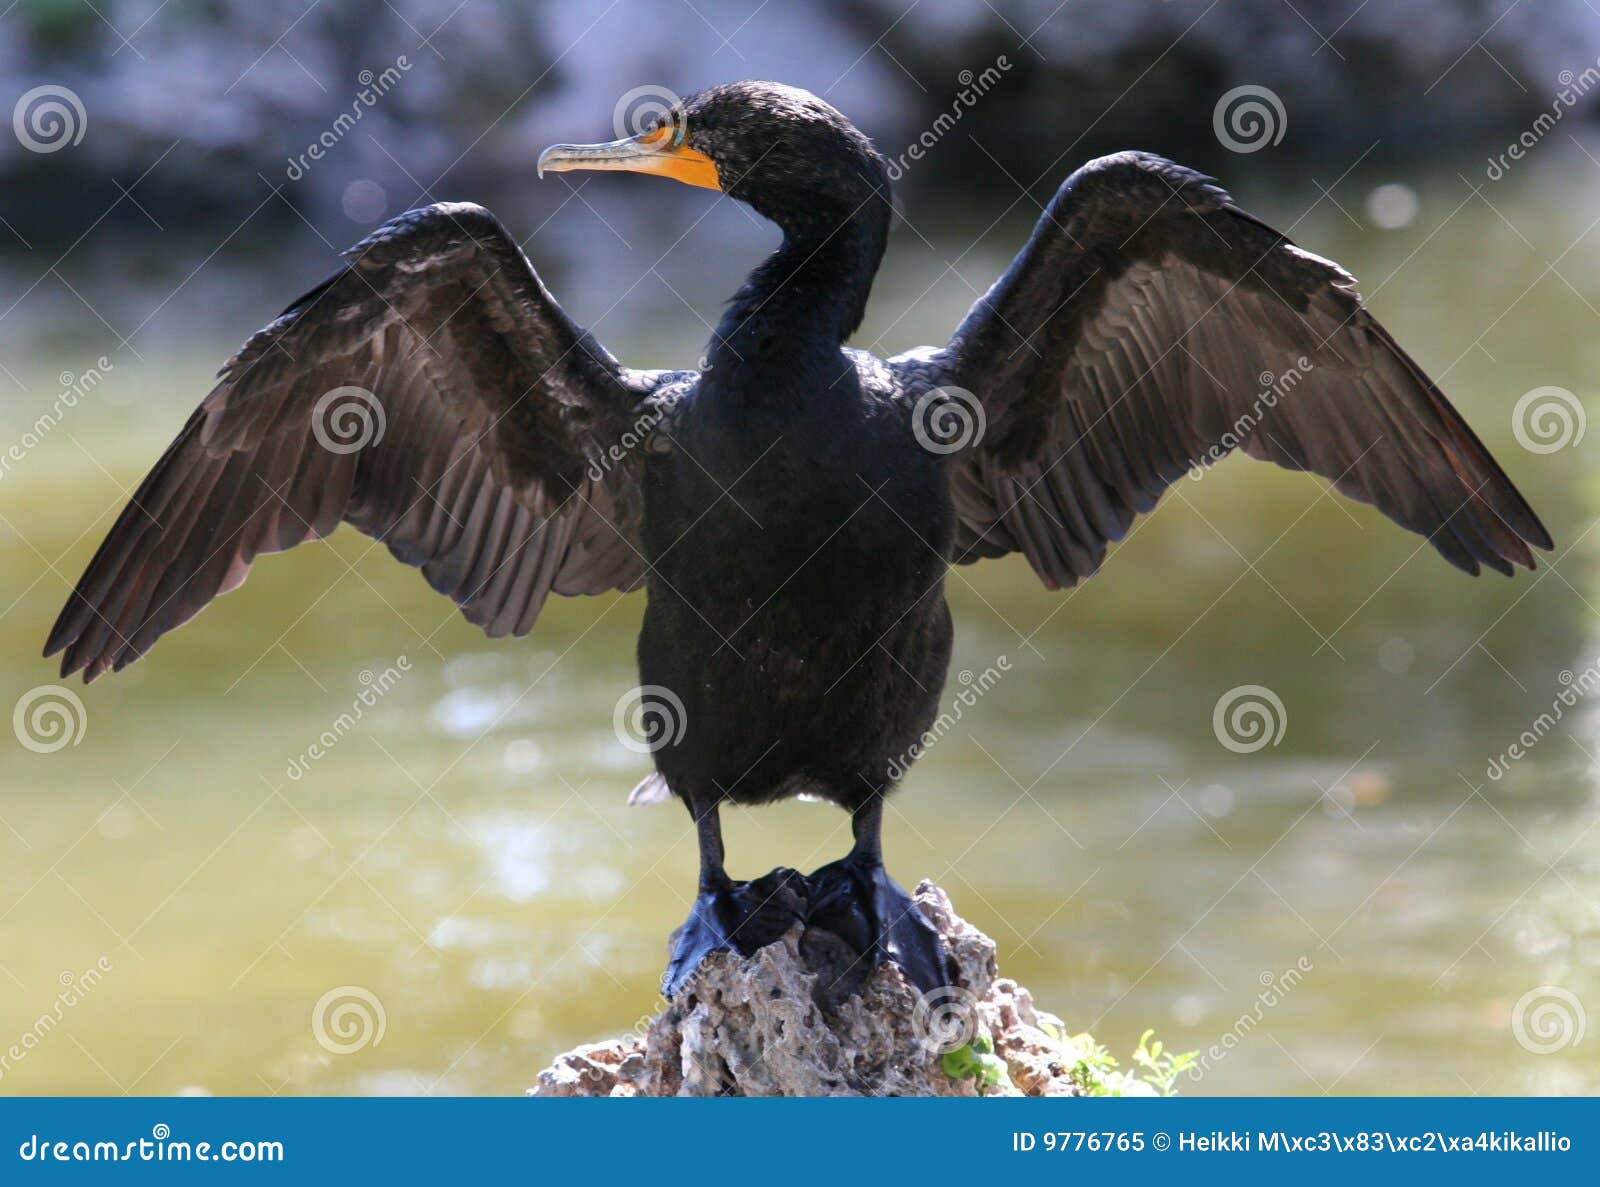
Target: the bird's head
pixel 784 152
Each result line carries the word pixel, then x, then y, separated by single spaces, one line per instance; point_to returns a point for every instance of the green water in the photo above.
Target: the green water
pixel 464 853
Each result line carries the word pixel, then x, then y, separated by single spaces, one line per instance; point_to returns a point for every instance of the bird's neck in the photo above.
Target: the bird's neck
pixel 809 294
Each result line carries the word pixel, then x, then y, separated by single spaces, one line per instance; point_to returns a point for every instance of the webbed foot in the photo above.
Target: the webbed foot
pixel 736 917
pixel 857 900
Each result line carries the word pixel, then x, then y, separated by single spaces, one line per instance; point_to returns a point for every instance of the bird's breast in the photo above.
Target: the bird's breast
pixel 780 517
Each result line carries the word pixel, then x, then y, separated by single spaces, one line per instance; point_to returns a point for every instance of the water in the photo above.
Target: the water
pixel 463 854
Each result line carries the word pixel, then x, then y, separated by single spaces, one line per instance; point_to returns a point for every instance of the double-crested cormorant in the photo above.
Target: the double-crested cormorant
pixel 791 507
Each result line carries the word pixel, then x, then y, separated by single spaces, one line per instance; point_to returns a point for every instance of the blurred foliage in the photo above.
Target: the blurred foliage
pixel 222 93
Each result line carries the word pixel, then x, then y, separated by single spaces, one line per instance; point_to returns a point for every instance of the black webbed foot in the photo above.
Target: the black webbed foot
pixel 853 900
pixel 738 917
pixel 857 900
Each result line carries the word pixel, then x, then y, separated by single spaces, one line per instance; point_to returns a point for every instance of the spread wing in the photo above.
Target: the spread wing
pixel 431 393
pixel 1150 326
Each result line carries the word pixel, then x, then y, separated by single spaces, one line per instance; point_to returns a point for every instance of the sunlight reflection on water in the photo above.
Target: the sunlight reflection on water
pixel 467 856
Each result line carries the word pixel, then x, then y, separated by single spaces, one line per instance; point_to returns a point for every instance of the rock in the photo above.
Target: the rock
pixel 776 1024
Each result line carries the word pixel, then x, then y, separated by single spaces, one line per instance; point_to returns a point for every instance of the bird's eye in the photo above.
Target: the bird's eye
pixel 662 127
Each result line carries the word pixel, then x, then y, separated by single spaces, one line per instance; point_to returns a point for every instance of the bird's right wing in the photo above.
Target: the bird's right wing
pixel 1150 326
pixel 432 394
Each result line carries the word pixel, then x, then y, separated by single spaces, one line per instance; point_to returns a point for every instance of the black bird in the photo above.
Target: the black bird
pixel 791 507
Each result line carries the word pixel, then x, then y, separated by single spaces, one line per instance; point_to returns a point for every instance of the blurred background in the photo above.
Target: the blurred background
pixel 1372 898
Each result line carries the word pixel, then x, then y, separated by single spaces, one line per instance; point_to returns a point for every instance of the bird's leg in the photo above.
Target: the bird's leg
pixel 857 900
pixel 727 916
pixel 711 922
pixel 708 831
pixel 866 825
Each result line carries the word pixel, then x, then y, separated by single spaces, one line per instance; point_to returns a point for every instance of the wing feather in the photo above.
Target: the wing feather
pixel 475 406
pixel 1150 326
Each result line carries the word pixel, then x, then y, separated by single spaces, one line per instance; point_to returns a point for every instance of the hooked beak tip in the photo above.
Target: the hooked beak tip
pixel 635 154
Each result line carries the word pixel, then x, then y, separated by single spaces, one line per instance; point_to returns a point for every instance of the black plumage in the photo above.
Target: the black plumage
pixel 793 506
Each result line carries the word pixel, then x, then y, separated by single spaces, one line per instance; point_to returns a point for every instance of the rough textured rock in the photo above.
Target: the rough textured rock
pixel 797 1019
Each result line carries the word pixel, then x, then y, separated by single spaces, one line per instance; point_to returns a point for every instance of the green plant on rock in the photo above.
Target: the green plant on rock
pixel 1159 1067
pixel 1097 1073
pixel 977 1061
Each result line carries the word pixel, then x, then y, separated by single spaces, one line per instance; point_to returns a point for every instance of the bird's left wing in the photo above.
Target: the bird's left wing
pixel 1150 326
pixel 432 394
